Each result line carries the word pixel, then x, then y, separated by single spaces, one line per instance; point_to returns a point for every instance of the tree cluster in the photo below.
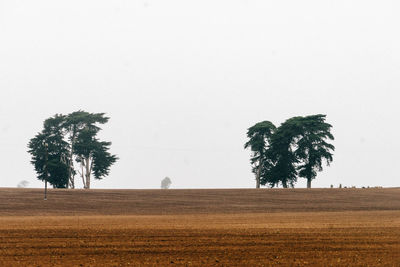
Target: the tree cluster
pixel 297 148
pixel 67 146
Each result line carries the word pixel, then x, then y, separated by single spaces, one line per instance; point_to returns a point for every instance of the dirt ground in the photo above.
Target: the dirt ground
pixel 240 227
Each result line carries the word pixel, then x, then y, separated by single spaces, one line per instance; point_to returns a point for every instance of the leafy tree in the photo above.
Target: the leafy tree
pixel 92 155
pixel 259 139
pixel 166 183
pixel 283 144
pixel 49 150
pixel 74 123
pixel 312 146
pixel 69 139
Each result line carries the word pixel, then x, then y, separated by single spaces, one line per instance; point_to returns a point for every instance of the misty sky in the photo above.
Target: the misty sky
pixel 183 80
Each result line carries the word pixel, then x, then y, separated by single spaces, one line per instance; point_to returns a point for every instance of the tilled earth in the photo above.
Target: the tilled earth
pixel 356 231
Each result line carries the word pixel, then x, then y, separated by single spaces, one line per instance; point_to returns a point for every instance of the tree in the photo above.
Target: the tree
pixel 165 183
pixel 259 139
pixel 92 155
pixel 283 144
pixel 49 150
pixel 74 123
pixel 23 184
pixel 312 146
pixel 70 139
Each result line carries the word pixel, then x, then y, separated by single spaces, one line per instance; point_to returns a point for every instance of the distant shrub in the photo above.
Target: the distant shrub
pixel 23 184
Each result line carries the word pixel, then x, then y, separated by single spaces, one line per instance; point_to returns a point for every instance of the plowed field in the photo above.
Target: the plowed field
pixel 241 227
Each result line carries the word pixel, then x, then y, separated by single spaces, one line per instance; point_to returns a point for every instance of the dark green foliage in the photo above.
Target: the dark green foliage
pixel 88 146
pixel 71 138
pixel 295 149
pixel 78 120
pixel 56 153
pixel 102 160
pixel 283 144
pixel 85 143
pixel 259 139
pixel 312 146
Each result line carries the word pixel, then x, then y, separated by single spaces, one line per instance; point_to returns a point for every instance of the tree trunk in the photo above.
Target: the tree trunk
pixel 87 174
pixel 70 174
pixel 83 174
pixel 284 183
pixel 71 164
pixel 308 182
pixel 258 177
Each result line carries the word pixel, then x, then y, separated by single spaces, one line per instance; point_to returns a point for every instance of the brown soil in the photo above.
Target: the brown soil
pixel 243 227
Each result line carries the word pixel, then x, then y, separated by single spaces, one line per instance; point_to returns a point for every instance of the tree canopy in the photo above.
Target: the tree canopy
pixel 67 141
pixel 297 148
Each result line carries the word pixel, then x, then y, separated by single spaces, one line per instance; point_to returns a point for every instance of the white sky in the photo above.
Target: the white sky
pixel 183 80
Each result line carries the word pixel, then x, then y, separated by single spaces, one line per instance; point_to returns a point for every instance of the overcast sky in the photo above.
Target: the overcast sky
pixel 183 80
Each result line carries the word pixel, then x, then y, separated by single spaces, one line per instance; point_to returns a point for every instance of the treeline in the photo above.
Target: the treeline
pixel 68 146
pixel 297 148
